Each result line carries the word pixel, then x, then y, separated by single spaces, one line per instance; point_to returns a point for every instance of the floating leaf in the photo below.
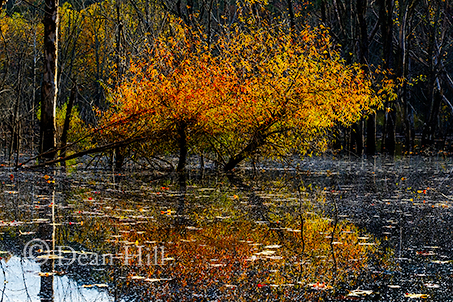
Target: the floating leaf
pixel 157 279
pixel 393 286
pixel 441 261
pixel 359 293
pixel 94 285
pixel 49 257
pixel 275 246
pixel 265 253
pixel 319 286
pixel 416 296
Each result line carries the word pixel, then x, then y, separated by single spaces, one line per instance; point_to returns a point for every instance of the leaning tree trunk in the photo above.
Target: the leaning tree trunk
pixel 49 89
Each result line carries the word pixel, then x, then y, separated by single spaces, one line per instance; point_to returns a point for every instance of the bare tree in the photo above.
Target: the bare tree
pixel 49 90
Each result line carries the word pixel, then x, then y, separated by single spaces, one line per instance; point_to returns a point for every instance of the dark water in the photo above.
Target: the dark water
pixel 319 230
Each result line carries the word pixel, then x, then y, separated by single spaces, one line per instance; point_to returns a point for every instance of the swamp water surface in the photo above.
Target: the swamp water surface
pixel 327 230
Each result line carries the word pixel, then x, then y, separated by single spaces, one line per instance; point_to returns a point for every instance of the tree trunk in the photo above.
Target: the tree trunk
pixel 119 157
pixel 433 90
pixel 67 120
pixel 389 135
pixel 386 24
pixel 357 138
pixel 49 89
pixel 402 69
pixel 120 150
pixel 361 6
pixel 430 126
pixel 371 134
pixel 323 12
pixel 252 146
pixel 291 15
pixel 14 146
pixel 119 71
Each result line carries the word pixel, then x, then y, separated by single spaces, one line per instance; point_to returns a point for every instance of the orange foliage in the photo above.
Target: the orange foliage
pixel 258 90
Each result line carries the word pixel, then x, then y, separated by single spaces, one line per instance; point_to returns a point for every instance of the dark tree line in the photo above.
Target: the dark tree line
pixel 411 39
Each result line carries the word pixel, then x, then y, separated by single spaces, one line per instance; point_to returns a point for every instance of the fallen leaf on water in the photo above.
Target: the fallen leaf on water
pixel 274 257
pixel 50 257
pixel 319 286
pixel 359 292
pixel 157 279
pixel 416 296
pixel 425 253
pixel 432 285
pixel 275 246
pixel 393 286
pixel 265 253
pixel 230 286
pixel 441 261
pixel 94 285
pixel 192 228
pixel 25 233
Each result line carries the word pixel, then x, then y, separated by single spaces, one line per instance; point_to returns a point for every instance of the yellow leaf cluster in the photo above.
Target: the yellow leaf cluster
pixel 252 86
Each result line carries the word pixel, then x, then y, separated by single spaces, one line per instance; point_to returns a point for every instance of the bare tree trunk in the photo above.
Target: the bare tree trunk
pixel 67 120
pixel 15 117
pixel 430 126
pixel 33 98
pixel 17 126
pixel 209 34
pixel 434 89
pixel 361 7
pixel 323 12
pixel 405 17
pixel 120 150
pixel 291 16
pixel 386 23
pixel 49 89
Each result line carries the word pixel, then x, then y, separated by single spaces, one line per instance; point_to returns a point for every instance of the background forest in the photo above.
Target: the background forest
pixel 106 45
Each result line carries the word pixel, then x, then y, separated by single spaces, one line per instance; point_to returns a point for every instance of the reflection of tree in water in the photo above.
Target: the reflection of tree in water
pixel 224 256
pixel 180 212
pixel 46 232
pixel 217 241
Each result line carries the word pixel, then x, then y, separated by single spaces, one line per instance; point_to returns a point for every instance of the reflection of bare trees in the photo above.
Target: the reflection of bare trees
pixel 46 232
